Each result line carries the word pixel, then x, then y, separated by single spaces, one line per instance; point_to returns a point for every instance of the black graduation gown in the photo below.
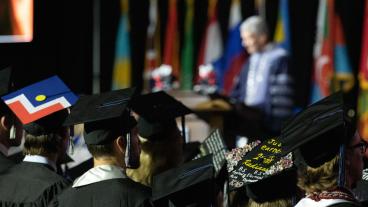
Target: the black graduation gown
pixel 30 184
pixel 5 163
pixel 119 192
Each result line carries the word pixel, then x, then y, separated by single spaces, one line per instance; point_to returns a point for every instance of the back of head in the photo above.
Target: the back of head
pixel 46 134
pixel 255 25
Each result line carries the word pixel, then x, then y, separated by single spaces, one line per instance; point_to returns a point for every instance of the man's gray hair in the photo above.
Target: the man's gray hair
pixel 255 25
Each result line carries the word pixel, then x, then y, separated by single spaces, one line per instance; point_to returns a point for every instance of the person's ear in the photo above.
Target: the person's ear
pixel 120 144
pixel 5 122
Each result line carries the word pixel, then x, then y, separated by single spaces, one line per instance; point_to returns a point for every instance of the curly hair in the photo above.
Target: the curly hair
pixel 158 155
pixel 319 179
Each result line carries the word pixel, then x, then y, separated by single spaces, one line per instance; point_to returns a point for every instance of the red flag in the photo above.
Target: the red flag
pixel 363 78
pixel 171 49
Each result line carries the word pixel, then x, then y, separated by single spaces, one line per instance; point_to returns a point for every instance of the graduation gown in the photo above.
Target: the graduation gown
pixel 30 184
pixel 105 185
pixel 5 163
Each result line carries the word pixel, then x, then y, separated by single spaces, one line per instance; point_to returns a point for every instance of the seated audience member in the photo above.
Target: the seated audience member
pixel 34 182
pixel 162 142
pixel 328 152
pixel 111 137
pixel 11 131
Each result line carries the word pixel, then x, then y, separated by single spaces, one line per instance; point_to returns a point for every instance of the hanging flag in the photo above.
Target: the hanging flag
pixel 171 48
pixel 343 77
pixel 187 54
pixel 282 32
pixel 332 68
pixel 121 77
pixel 229 65
pixel 211 45
pixel 323 52
pixel 153 58
pixel 363 80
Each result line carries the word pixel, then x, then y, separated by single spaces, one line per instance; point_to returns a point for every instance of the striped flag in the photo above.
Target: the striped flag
pixel 282 32
pixel 211 45
pixel 363 80
pixel 40 99
pixel 153 57
pixel 171 48
pixel 229 65
pixel 187 54
pixel 121 77
pixel 332 69
pixel 343 76
pixel 323 52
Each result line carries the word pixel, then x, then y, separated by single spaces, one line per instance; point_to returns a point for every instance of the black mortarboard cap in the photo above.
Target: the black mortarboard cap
pixel 319 130
pixel 157 111
pixel 214 144
pixel 187 185
pixel 105 116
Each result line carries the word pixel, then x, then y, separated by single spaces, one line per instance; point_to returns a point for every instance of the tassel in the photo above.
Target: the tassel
pixel 341 176
pixel 12 132
pixel 127 151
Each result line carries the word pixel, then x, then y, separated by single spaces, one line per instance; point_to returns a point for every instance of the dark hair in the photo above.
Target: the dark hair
pixel 101 150
pixel 43 144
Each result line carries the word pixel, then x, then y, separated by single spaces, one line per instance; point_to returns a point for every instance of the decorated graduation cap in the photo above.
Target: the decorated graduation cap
pixel 41 106
pixel 188 184
pixel 214 144
pixel 157 111
pixel 260 183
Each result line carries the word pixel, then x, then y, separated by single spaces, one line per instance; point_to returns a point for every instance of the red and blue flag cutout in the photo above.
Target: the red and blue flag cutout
pixel 40 99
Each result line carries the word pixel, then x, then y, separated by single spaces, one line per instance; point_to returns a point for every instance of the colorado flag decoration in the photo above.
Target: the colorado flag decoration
pixel 40 99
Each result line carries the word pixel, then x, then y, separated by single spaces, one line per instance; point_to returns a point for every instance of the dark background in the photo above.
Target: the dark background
pixel 62 41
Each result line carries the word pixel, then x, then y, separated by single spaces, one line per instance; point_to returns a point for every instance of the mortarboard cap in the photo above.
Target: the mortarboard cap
pixel 318 131
pixel 105 116
pixel 157 111
pixel 187 185
pixel 40 99
pixel 214 144
pixel 41 106
pixel 245 171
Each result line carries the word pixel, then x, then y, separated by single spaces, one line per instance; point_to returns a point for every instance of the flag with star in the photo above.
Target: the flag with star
pixel 40 99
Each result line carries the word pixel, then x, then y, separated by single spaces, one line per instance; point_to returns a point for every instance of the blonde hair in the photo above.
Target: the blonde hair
pixel 156 157
pixel 319 179
pixel 274 203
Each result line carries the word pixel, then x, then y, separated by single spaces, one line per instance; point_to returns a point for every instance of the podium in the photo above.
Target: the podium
pixel 210 111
